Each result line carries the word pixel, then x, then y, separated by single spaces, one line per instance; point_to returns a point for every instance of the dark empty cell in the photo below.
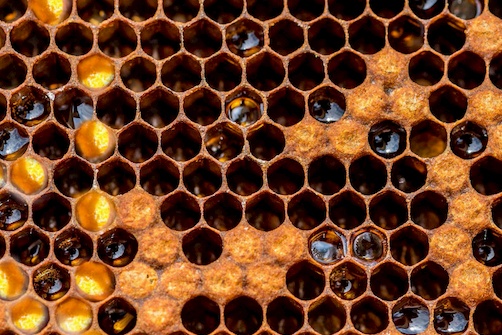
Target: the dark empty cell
pixel 181 142
pixel 10 11
pixel 306 71
pixel 497 213
pixel 30 39
pixel 202 38
pixel 326 175
pixel 284 315
pixel 244 37
pixel 202 178
pixel 200 315
pixel 486 176
pixel 387 139
pixel 224 141
pixel 487 317
pixel 347 70
pixel 389 281
pixel 73 107
pixel 367 35
pixel 51 282
pixel 29 247
pixel 138 143
pixel 429 209
pixel 466 9
pixel 285 176
pixel 448 104
pixel 347 210
pixel 326 36
pixel 117 247
pixel 306 11
pixel 285 37
pixel 180 73
pixel 410 316
pixel 495 8
pixel 95 11
pixel 245 177
pixel 12 71
pixel 367 175
pixel 243 316
pixel 159 177
pixel 14 141
pixel 13 211
pixel 73 177
pixel 487 247
pixel 426 68
pixel 265 211
pixel 73 247
pixel 3 107
pixel 467 70
pixel 327 316
pixel 117 39
pixel 451 316
pixel 138 74
pixel 117 316
pixel 265 71
pixel 223 211
pixel 426 9
pixel 180 211
pixel 116 108
pixel 286 107
pixel 116 177
pixel 181 10
pixel 497 283
pixel 160 39
pixel 223 11
pixel 386 9
pixel 406 34
pixel 52 71
pixel 408 174
pixel 159 108
pixel 428 139
pixel 138 10
pixel 306 210
pixel 2 247
pixel 74 39
pixel 346 9
pixel 30 106
pixel 305 280
pixel 202 246
pixel 409 246
pixel 223 72
pixel 348 281
pixel 327 246
pixel 327 105
pixel 369 315
pixel 388 210
pixel 446 35
pixel 245 108
pixel 369 245
pixel 468 140
pixel 202 106
pixel 429 280
pixel 266 141
pixel 51 212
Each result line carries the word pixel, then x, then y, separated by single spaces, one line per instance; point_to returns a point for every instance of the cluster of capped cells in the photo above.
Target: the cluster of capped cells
pixel 250 167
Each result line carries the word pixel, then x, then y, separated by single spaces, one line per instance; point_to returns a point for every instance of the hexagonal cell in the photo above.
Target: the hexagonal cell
pixel 495 8
pixel 467 70
pixel 466 10
pixel 95 12
pixel 347 210
pixel 202 246
pixel 51 212
pixel 486 175
pixel 245 177
pixel 202 38
pixel 265 211
pixel 265 11
pixel 50 141
pixel 348 281
pixel 30 106
pixel 487 247
pixel 266 141
pixel 410 316
pixel 426 68
pixel 138 10
pixel 286 36
pixel 367 35
pixel 13 211
pixel 116 108
pixel 29 38
pixel 487 316
pixel 117 314
pixel 406 34
pixel 326 36
pixel 306 11
pixel 12 71
pixel 2 251
pixel 243 315
pixel 51 282
pixel 180 211
pixel 200 315
pixel 138 143
pixel 159 107
pixel 265 71
pixel 160 39
pixel 386 10
pixel 428 139
pixel 116 177
pixel 347 70
pixel 14 141
pixel 52 71
pixel 3 107
pixel 429 209
pixel 117 247
pixel 448 104
pixel 306 210
pixel 326 175
pixel 451 316
pixel 389 281
pixel 327 316
pixel 286 107
pixel 223 211
pixel 448 26
pixel 224 141
pixel 74 39
pixel 326 104
pixel 468 140
pixel 181 10
pixel 223 72
pixel 327 246
pixel 181 72
pixel 117 39
pixel 369 315
pixel 306 71
pixel 73 107
pixel 29 247
pixel 497 212
pixel 73 177
pixel 159 177
pixel 202 178
pixel 285 176
pixel 496 283
pixel 244 107
pixel 427 9
pixel 387 139
pixel 305 280
pixel 369 245
pixel 346 9
pixel 138 74
pixel 202 106
pixel 364 182
pixel 284 315
pixel 244 37
pixel 73 247
pixel 429 280
pixel 223 11
pixel 11 11
pixel 181 142
pixel 408 174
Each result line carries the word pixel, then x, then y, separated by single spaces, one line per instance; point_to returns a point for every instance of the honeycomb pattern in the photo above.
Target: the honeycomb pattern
pixel 250 167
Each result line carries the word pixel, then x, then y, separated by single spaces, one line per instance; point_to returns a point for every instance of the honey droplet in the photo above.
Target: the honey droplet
pixel 73 247
pixel 29 247
pixel 468 140
pixel 387 139
pixel 28 175
pixel 487 247
pixel 13 142
pixel 327 247
pixel 451 316
pixel 224 143
pixel 13 281
pixel 51 282
pixel 117 247
pixel 50 11
pixel 410 316
pixel 244 111
pixel 94 280
pixel 74 315
pixel 244 41
pixel 466 9
pixel 29 315
pixel 95 211
pixel 96 71
pixel 117 316
pixel 13 211
pixel 368 246
pixel 326 110
pixel 30 106
pixel 348 281
pixel 94 141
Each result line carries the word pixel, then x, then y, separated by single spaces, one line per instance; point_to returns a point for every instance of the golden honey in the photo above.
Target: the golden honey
pixel 95 211
pixel 96 71
pixel 29 315
pixel 13 281
pixel 50 11
pixel 74 315
pixel 94 141
pixel 94 281
pixel 28 175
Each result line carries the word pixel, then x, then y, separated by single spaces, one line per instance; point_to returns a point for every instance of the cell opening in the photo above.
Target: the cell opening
pixel 51 142
pixel 406 34
pixel 347 210
pixel 52 71
pixel 265 71
pixel 451 315
pixel 367 175
pixel 409 246
pixel 138 10
pixel 12 71
pixel 265 11
pixel 73 177
pixel 286 37
pixel 51 282
pixel 327 316
pixel 387 139
pixel 305 280
pixel 223 211
pixel 327 105
pixel 408 174
pixel 386 9
pixel 116 108
pixel 367 35
pixel 327 246
pixel 284 315
pixel 326 36
pixel 202 38
pixel 202 106
pixel 486 176
pixel 306 11
pixel 116 177
pixel 200 315
pixel 306 71
pixel 73 107
pixel 202 178
pixel 427 9
pixel 429 280
pixel 467 70
pixel 266 141
pixel 95 11
pixel 243 316
pixel 160 39
pixel 389 281
pixel 223 73
pixel 73 247
pixel 348 281
pixel 369 245
pixel 159 108
pixel 117 317
pixel 429 210
pixel 410 316
pixel 138 74
pixel 117 247
pixel 74 39
pixel 285 176
pixel 223 11
pixel 496 283
pixel 265 211
pixel 30 38
pixel 29 247
pixel 202 247
pixel 159 177
pixel 181 142
pixel 448 104
pixel 466 10
pixel 468 140
pixel 10 11
pixel 326 175
pixel 245 177
pixel 306 210
pixel 51 212
pixel 346 9
pixel 426 68
pixel 446 35
pixel 244 38
pixel 286 107
pixel 369 315
pixel 487 247
pixel 13 211
pixel 180 211
pixel 428 139
pixel 117 39
pixel 181 10
pixel 181 73
pixel 347 70
pixel 137 143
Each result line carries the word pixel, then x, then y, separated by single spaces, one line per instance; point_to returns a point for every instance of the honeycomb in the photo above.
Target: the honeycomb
pixel 250 167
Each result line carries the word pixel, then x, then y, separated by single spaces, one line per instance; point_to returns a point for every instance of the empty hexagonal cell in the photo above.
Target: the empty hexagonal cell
pixel 30 106
pixel 51 212
pixel 265 11
pixel 497 212
pixel 73 107
pixel 326 104
pixel 451 316
pixel 50 141
pixel 159 177
pixel 389 281
pixel 244 37
pixel 306 71
pixel 51 282
pixel 348 281
pixel 286 36
pixel 429 209
pixel 286 107
pixel 388 210
pixel 3 107
pixel 429 280
pixel 369 315
pixel 223 211
pixel 223 11
pixel 265 211
pixel 11 11
pixel 202 178
pixel 13 211
pixel 426 68
pixel 466 9
pixel 116 108
pixel 468 140
pixel 202 246
pixel 52 71
pixel 305 280
pixel 265 71
pixel 160 39
pixel 73 247
pixel 200 315
pixel 386 10
pixel 346 9
pixel 448 104
pixel 245 177
pixel 486 175
pixel 446 35
pixel 117 316
pixel 224 141
pixel 73 177
pixel 180 211
pixel 327 246
pixel 410 316
pixel 487 316
pixel 202 38
pixel 495 8
pixel 74 39
pixel 266 141
pixel 327 316
pixel 29 38
pixel 306 11
pixel 116 177
pixel 159 107
pixel 362 180
pixel 409 246
pixel 367 35
pixel 467 70
pixel 387 139
pixel 487 247
pixel 406 34
pixel 138 74
pixel 202 106
pixel 181 72
pixel 12 71
pixel 496 282
pixel 347 70
pixel 408 174
pixel 285 176
pixel 223 72
pixel 137 143
pixel 284 315
pixel 326 36
pixel 369 245
pixel 14 141
pixel 181 142
pixel 326 175
pixel 347 210
pixel 243 315
pixel 2 253
pixel 117 39
pixel 428 139
pixel 95 12
pixel 29 247
pixel 427 9
pixel 117 247
pixel 138 10
pixel 306 210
